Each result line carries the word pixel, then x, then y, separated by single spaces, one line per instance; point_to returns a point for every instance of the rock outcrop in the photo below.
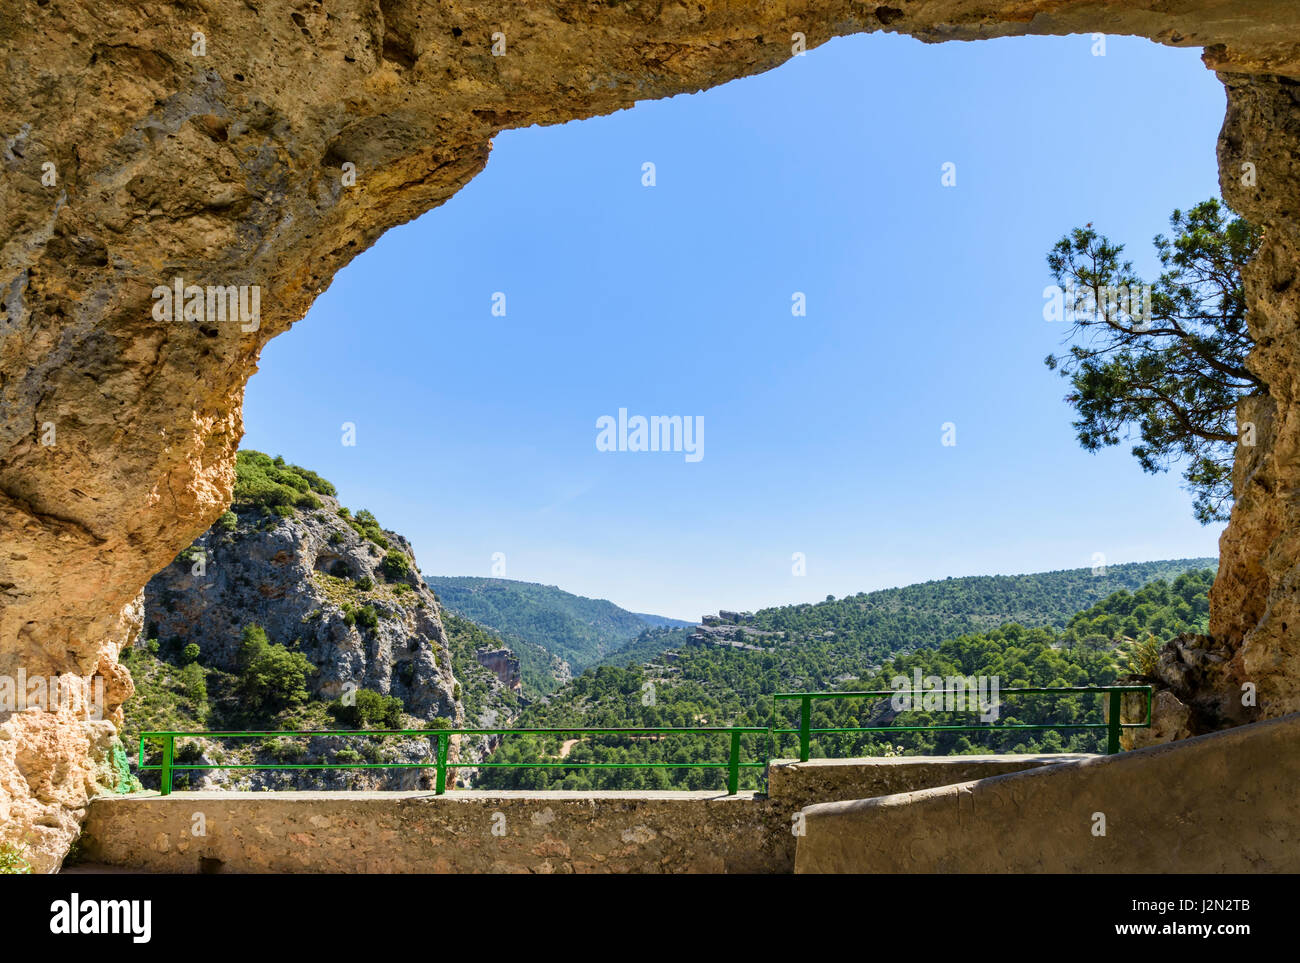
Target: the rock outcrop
pixel 503 664
pixel 309 580
pixel 314 583
pixel 142 143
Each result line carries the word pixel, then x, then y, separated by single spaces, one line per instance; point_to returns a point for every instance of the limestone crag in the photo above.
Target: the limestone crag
pixel 299 578
pixel 504 665
pixel 311 582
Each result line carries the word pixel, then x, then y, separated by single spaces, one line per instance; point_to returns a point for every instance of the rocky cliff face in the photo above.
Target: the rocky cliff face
pixel 310 581
pixel 504 665
pixel 1248 667
pixel 316 585
pixel 142 143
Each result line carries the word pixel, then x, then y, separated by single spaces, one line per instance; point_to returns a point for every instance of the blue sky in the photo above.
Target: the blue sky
pixel 476 434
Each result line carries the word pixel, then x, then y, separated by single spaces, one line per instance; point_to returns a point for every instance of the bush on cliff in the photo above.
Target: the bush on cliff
pixel 369 711
pixel 395 566
pixel 272 484
pixel 367 526
pixel 13 860
pixel 271 676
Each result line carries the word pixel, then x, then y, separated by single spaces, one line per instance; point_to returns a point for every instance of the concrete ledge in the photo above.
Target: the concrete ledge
pixel 831 780
pixel 463 831
pixel 1221 803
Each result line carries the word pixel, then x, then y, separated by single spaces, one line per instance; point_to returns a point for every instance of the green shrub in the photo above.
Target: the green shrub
pixel 283 750
pixel 370 711
pixel 13 860
pixel 228 522
pixel 190 653
pixel 396 566
pixel 194 680
pixel 365 583
pixel 272 484
pixel 1144 656
pixel 271 676
pixel 367 526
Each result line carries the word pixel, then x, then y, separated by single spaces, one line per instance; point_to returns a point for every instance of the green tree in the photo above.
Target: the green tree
pixel 271 676
pixel 371 710
pixel 1170 368
pixel 194 681
pixel 396 566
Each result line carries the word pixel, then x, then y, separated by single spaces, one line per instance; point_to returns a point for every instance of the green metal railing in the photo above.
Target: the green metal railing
pixel 1112 725
pixel 168 765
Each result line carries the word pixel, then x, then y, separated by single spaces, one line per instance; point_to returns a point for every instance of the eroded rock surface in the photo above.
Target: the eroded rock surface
pixel 310 581
pixel 140 143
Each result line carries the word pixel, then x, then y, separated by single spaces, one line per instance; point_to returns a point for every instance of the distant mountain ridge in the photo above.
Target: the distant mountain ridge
pixel 528 615
pixel 856 632
pixel 662 621
pixel 825 639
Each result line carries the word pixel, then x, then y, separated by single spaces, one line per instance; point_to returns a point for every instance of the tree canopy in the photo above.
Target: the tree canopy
pixel 1165 361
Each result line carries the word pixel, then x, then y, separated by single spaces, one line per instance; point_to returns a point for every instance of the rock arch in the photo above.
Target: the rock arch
pixel 207 144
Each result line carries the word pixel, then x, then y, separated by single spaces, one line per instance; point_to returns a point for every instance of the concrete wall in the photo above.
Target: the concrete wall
pixel 374 832
pixel 831 780
pixel 1225 802
pixel 544 832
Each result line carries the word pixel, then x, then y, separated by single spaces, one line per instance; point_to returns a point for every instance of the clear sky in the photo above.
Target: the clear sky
pixel 476 434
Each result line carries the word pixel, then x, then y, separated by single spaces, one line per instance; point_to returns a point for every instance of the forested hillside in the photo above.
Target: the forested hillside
pixel 709 685
pixel 856 632
pixel 529 616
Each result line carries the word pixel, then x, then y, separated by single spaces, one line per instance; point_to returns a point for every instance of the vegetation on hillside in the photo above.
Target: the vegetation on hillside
pixel 477 692
pixel 578 630
pixel 721 686
pixel 274 485
pixel 647 646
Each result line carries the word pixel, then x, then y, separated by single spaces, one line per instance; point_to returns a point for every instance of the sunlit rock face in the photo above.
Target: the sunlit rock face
pixel 216 144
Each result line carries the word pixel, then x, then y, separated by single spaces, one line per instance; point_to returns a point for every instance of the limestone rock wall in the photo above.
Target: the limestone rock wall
pixel 293 576
pixel 145 142
pixel 1248 667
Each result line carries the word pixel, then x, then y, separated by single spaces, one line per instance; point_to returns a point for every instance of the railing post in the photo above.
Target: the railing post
pixel 733 764
pixel 805 724
pixel 169 754
pixel 1112 723
pixel 443 739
